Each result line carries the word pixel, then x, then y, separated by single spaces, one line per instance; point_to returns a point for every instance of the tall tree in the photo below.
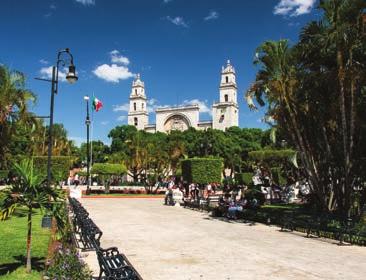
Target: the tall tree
pixel 318 115
pixel 15 100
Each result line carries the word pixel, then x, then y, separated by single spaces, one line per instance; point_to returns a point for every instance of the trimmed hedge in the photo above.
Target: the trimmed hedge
pixel 105 171
pixel 244 178
pixel 108 169
pixel 202 170
pixel 270 155
pixel 59 168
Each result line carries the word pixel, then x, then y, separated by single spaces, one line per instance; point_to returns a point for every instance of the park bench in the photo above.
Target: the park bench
pixel 88 231
pixel 115 265
pixel 112 263
pixel 203 204
pixel 306 224
pixel 191 203
pixel 213 201
pixel 317 225
pixel 90 234
pixel 220 209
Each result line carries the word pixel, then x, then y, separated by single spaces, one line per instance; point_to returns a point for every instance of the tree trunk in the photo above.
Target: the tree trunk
pixel 345 203
pixel 29 241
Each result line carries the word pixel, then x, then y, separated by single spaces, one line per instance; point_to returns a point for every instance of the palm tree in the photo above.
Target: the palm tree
pixel 30 191
pixel 311 91
pixel 14 103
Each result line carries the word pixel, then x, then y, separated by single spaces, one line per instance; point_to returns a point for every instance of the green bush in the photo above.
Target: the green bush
pixel 67 264
pixel 202 170
pixel 277 176
pixel 4 174
pixel 108 169
pixel 272 157
pixel 244 178
pixel 255 192
pixel 59 168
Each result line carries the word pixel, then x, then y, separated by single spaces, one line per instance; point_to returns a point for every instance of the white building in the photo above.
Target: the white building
pixel 225 113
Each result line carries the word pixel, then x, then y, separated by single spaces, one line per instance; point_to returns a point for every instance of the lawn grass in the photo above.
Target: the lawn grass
pixel 13 234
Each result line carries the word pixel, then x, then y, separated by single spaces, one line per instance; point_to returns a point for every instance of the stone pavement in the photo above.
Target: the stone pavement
pixel 174 243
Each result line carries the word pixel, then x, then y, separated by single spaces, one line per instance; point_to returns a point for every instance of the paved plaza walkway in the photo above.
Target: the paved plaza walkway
pixel 174 243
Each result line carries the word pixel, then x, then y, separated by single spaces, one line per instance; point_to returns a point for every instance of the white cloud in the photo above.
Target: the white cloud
pixel 153 104
pixel 121 108
pixel 178 21
pixel 122 118
pixel 86 2
pixel 212 16
pixel 167 1
pixel 113 73
pixel 53 7
pixel 46 73
pixel 202 104
pixel 117 58
pixel 293 8
pixel 43 61
pixel 104 122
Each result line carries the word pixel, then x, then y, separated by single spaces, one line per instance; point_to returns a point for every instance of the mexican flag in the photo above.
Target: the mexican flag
pixel 97 104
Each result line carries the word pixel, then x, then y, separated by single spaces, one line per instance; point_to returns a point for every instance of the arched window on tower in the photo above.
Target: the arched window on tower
pixel 227 79
pixel 142 106
pixel 135 91
pixel 226 98
pixel 135 120
pixel 134 106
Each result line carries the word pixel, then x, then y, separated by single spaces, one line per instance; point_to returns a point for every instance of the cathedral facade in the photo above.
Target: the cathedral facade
pixel 225 113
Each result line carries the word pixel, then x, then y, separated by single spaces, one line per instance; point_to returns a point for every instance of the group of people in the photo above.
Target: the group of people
pixel 231 206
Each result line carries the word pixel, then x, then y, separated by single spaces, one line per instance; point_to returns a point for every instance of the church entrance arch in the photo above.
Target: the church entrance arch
pixel 176 121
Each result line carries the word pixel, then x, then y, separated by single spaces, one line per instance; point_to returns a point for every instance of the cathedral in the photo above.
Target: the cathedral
pixel 225 113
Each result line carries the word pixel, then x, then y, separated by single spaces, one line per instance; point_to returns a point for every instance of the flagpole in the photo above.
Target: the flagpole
pixel 87 122
pixel 91 134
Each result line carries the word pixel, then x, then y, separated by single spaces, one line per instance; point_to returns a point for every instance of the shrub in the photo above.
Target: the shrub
pixel 272 157
pixel 67 264
pixel 244 178
pixel 255 192
pixel 228 181
pixel 59 168
pixel 133 184
pixel 202 170
pixel 106 170
pixel 4 174
pixel 278 177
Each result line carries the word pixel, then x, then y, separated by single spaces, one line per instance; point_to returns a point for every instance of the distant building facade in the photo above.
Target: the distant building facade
pixel 225 112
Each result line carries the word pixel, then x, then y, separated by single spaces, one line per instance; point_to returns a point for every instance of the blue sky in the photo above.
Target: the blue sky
pixel 178 46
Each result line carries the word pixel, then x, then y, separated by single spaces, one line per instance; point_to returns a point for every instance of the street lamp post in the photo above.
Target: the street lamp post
pixel 87 122
pixel 71 77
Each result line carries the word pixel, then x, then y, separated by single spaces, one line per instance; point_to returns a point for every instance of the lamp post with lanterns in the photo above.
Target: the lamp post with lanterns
pixel 71 77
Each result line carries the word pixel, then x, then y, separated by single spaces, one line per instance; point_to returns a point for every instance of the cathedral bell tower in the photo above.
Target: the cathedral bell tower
pixel 225 113
pixel 138 115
